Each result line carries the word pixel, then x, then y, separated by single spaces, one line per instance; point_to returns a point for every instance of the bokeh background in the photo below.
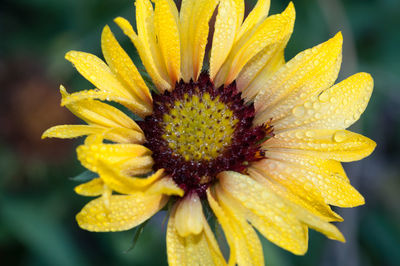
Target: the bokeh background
pixel 37 202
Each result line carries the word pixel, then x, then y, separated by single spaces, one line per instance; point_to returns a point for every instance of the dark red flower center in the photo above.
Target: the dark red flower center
pixel 197 131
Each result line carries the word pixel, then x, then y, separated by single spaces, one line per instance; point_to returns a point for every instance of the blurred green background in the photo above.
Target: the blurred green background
pixel 37 202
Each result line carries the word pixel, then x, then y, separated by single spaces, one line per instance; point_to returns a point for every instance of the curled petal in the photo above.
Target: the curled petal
pixel 193 249
pixel 119 135
pixel 188 216
pixel 95 112
pixel 94 187
pixel 166 186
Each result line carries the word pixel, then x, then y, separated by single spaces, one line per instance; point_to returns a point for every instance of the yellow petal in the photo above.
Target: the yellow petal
pixel 123 212
pixel 274 29
pixel 224 34
pixel 114 162
pixel 123 67
pixel 194 249
pixel 114 152
pixel 98 73
pixel 119 135
pixel 244 244
pixel 317 224
pixel 194 26
pixel 96 112
pixel 106 96
pixel 124 135
pixel 234 209
pixel 167 29
pixel 148 42
pixel 302 174
pixel 122 157
pixel 335 108
pixel 126 184
pixel 260 68
pixel 200 38
pixel 94 187
pixel 304 215
pixel 266 211
pixel 239 6
pixel 340 145
pixel 72 131
pixel 165 186
pixel 329 167
pixel 146 45
pixel 257 15
pixel 306 75
pixel 188 216
pixel 185 21
pixel 286 187
pixel 135 166
pixel 227 225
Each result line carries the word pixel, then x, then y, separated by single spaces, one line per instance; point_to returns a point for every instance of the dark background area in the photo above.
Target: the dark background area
pixel 37 202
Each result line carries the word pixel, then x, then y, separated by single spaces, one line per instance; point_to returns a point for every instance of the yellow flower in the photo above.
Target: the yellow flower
pixel 257 139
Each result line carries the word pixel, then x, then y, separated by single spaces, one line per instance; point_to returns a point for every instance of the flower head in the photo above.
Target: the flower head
pixel 257 139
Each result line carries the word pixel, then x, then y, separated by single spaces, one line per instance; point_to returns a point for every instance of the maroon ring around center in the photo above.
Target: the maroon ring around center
pixel 198 175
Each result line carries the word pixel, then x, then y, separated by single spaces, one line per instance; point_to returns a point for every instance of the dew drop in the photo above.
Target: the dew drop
pixel 298 111
pixel 340 136
pixel 310 134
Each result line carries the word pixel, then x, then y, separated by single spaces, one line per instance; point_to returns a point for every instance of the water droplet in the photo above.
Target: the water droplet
pixel 340 136
pixel 298 111
pixel 316 105
pixel 310 134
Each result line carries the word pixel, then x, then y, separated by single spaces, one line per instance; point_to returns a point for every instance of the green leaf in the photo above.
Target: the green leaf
pixel 138 231
pixel 84 176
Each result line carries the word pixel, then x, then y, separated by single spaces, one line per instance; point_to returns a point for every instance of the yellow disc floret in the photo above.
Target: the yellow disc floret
pixel 199 127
